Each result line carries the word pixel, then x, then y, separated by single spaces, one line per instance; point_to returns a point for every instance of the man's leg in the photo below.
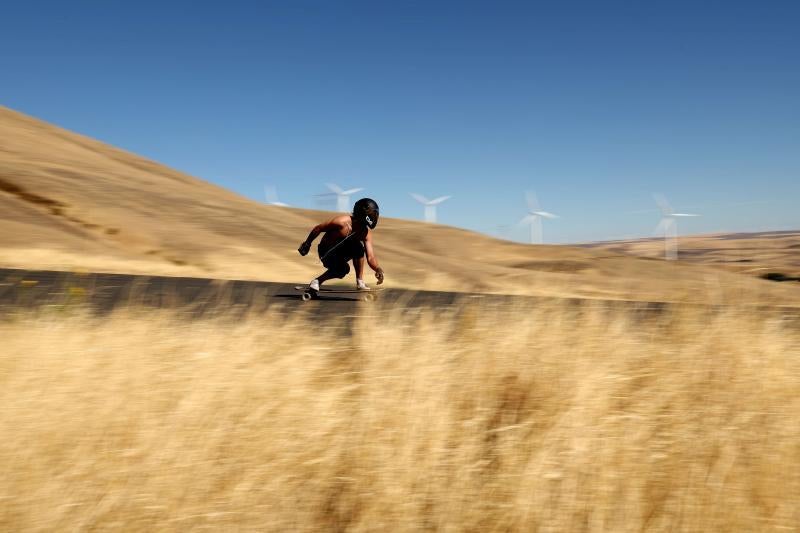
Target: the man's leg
pixel 357 255
pixel 337 271
pixel 325 276
pixel 337 268
pixel 358 264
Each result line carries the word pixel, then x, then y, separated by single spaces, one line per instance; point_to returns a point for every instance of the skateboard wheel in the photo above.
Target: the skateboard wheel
pixel 369 297
pixel 306 296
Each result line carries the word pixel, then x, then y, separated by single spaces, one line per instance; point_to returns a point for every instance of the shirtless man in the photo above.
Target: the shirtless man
pixel 346 238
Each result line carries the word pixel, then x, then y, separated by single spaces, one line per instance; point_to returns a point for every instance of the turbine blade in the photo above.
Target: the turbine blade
pixel 527 219
pixel 663 204
pixel 684 215
pixel 532 200
pixel 352 191
pixel 663 226
pixel 439 200
pixel 545 214
pixel 418 197
pixel 335 188
pixel 270 194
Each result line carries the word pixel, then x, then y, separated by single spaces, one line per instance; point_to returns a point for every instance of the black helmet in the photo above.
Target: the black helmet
pixel 366 211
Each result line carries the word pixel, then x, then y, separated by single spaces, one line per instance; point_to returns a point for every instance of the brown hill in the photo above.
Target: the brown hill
pixel 70 202
pixel 755 254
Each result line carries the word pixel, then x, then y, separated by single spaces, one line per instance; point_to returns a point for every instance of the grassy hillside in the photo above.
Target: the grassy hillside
pixel 70 202
pixel 754 254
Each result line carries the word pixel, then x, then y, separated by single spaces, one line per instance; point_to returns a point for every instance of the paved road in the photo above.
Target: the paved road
pixel 102 293
pixel 106 292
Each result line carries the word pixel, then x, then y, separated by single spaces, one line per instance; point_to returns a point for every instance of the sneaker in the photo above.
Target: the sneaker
pixel 360 285
pixel 314 285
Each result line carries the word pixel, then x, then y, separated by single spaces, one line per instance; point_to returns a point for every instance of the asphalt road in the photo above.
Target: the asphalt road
pixel 196 297
pixel 102 293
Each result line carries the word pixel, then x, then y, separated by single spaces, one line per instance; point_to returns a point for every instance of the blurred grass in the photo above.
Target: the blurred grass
pixel 556 418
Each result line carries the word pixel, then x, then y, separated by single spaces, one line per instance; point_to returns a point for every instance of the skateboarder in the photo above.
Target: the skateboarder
pixel 347 238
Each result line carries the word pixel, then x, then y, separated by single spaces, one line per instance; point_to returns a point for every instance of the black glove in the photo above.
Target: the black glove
pixel 304 248
pixel 379 275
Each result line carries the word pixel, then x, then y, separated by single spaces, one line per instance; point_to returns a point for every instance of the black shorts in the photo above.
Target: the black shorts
pixel 333 256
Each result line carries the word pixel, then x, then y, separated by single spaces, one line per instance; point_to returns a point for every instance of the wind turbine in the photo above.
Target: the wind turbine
pixel 534 217
pixel 430 205
pixel 669 225
pixel 271 195
pixel 342 196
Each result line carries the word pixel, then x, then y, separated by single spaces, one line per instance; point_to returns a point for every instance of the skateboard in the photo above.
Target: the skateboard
pixel 367 295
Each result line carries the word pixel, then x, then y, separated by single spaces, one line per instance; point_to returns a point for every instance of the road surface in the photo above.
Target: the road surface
pixel 105 292
pixel 102 293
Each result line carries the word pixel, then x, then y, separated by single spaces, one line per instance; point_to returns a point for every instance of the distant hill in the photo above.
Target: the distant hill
pixel 70 202
pixel 755 254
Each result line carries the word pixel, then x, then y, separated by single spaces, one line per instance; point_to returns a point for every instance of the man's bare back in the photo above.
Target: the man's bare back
pixel 342 227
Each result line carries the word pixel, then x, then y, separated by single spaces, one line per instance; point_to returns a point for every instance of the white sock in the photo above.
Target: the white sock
pixel 314 284
pixel 360 284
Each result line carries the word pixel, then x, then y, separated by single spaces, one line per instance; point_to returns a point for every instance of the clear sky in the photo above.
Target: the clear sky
pixel 594 105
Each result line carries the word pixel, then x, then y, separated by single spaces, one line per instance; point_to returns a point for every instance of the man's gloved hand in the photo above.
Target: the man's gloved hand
pixel 379 275
pixel 304 248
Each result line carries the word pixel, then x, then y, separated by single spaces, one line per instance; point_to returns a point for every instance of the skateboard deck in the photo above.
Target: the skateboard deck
pixel 367 295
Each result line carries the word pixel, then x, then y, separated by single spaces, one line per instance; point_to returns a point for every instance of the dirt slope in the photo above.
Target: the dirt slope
pixel 69 202
pixel 748 253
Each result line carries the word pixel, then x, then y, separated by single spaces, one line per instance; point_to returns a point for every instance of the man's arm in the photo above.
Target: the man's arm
pixel 315 231
pixel 372 261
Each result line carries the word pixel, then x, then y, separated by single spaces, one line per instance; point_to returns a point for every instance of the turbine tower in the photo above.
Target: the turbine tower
pixel 271 195
pixel 534 217
pixel 430 205
pixel 669 225
pixel 342 196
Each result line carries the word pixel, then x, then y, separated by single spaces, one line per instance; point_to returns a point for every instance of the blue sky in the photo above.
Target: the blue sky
pixel 594 105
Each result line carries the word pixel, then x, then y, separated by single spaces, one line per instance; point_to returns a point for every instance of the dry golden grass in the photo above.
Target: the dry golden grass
pixel 549 419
